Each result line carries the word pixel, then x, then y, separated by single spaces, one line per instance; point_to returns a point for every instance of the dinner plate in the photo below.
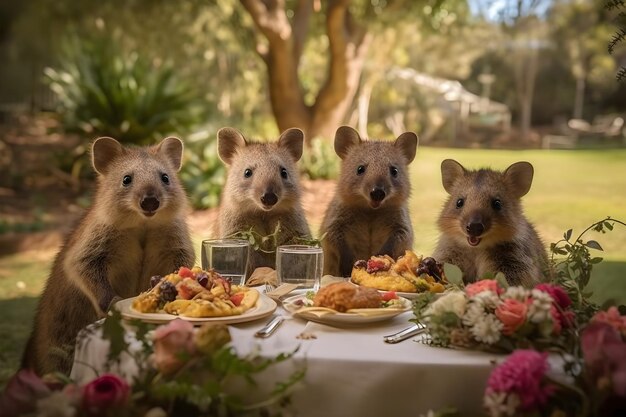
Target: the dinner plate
pixel 355 316
pixel 409 295
pixel 264 307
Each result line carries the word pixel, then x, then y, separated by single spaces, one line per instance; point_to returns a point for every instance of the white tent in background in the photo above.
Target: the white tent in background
pixel 459 103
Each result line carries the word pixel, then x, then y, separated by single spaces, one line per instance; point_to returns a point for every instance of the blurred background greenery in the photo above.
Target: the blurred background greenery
pixel 488 82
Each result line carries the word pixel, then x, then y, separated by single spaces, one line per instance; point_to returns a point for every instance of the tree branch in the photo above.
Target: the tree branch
pixel 286 96
pixel 300 26
pixel 348 44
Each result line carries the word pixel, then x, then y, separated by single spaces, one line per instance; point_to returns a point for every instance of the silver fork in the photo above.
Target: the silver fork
pixel 407 333
pixel 269 287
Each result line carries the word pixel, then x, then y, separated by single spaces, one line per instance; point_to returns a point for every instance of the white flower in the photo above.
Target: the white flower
pixel 474 313
pixel 56 404
pixel 516 293
pixel 452 302
pixel 500 404
pixel 539 309
pixel 487 330
pixel 488 299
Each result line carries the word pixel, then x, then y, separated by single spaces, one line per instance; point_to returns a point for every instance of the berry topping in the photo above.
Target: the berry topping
pixel 154 280
pixel 375 265
pixel 203 279
pixel 168 291
pixel 185 272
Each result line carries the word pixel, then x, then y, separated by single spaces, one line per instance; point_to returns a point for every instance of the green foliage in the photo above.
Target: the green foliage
pixel 269 243
pixel 206 384
pixel 203 173
pixel 620 34
pixel 102 91
pixel 319 160
pixel 574 271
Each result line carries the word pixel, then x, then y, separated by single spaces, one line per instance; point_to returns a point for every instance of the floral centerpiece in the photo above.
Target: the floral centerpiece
pixel 485 315
pixel 590 384
pixel 181 371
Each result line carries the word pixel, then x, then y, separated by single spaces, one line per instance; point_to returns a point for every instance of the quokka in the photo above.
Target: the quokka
pixel 483 229
pixel 368 214
pixel 134 229
pixel 262 190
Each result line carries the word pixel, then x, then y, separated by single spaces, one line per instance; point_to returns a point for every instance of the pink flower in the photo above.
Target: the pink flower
pixel 557 318
pixel 21 393
pixel 512 313
pixel 562 316
pixel 557 293
pixel 522 375
pixel 604 353
pixel 613 318
pixel 108 392
pixel 173 342
pixel 483 285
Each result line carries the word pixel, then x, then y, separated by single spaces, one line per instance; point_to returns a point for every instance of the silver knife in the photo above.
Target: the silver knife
pixel 405 334
pixel 270 327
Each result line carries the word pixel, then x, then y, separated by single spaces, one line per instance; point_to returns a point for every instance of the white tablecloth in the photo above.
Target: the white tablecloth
pixel 350 371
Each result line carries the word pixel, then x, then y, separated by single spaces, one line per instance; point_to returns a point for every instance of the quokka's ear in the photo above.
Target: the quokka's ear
pixel 103 151
pixel 228 141
pixel 172 148
pixel 451 171
pixel 407 143
pixel 519 178
pixel 345 138
pixel 292 140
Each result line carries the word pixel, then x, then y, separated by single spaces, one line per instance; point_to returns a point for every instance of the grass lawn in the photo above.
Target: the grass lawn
pixel 571 189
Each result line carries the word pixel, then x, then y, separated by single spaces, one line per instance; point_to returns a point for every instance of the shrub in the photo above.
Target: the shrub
pixel 102 91
pixel 319 160
pixel 203 173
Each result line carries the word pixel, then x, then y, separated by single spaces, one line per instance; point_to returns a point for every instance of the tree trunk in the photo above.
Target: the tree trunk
pixel 526 75
pixel 579 98
pixel 348 44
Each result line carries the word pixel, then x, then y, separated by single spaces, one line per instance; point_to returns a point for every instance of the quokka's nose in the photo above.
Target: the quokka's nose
pixel 377 194
pixel 149 203
pixel 475 228
pixel 269 199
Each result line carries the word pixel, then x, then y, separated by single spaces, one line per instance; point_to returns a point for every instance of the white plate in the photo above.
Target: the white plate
pixel 409 295
pixel 264 307
pixel 351 317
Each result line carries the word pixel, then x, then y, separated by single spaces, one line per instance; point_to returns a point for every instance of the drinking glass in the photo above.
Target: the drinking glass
pixel 228 257
pixel 300 264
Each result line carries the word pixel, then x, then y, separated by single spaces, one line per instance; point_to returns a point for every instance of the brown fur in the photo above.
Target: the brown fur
pixel 355 225
pixel 508 244
pixel 242 207
pixel 115 248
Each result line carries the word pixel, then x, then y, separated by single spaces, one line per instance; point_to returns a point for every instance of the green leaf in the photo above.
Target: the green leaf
pixel 113 331
pixel 501 278
pixel 453 274
pixel 608 225
pixel 567 234
pixel 595 260
pixel 593 245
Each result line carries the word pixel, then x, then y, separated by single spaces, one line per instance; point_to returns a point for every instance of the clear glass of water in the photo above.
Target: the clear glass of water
pixel 300 264
pixel 228 257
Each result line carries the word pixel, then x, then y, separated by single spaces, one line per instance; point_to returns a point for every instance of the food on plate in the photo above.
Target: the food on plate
pixel 344 296
pixel 195 293
pixel 409 273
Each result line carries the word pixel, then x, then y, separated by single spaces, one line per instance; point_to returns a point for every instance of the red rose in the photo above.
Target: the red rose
pixel 22 392
pixel 105 393
pixel 557 293
pixel 483 285
pixel 512 313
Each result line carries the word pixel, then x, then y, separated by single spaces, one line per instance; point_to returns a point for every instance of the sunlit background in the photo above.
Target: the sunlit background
pixel 486 82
